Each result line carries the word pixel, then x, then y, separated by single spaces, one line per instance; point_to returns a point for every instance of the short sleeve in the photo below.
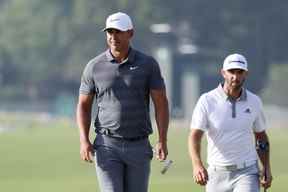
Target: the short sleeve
pixel 199 116
pixel 156 80
pixel 260 122
pixel 87 83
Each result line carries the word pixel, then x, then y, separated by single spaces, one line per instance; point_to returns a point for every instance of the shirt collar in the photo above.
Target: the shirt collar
pixel 130 58
pixel 224 96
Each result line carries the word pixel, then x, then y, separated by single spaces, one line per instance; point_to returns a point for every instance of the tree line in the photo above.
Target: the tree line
pixel 44 45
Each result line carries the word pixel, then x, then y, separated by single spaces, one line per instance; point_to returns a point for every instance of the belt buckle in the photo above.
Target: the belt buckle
pixel 106 132
pixel 242 165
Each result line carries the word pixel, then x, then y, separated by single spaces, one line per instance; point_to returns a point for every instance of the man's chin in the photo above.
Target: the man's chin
pixel 115 48
pixel 237 86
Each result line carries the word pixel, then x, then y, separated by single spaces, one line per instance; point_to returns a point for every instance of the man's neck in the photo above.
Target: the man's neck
pixel 120 56
pixel 233 93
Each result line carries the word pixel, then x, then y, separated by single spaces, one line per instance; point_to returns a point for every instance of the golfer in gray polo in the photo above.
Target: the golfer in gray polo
pixel 231 117
pixel 120 81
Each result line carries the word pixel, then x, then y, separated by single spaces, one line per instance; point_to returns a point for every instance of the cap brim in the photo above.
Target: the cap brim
pixel 106 28
pixel 229 68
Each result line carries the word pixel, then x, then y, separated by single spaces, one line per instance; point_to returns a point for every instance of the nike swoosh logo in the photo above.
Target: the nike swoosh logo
pixel 133 67
pixel 112 20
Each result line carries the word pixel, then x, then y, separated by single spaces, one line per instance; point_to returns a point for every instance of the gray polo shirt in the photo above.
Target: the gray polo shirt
pixel 122 92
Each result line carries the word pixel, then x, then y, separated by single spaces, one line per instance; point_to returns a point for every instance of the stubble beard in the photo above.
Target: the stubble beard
pixel 238 86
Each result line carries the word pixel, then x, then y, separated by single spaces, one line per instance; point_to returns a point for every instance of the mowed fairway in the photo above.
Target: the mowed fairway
pixel 45 158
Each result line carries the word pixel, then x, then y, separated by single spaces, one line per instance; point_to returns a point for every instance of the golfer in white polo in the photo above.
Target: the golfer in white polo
pixel 231 116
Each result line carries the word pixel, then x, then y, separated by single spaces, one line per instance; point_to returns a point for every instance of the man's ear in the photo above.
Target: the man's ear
pixel 222 72
pixel 131 33
pixel 247 72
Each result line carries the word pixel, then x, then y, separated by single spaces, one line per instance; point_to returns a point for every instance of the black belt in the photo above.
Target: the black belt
pixel 107 133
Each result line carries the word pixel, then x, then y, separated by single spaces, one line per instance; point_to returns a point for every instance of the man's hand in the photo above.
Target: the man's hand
pixel 266 178
pixel 161 151
pixel 200 175
pixel 86 151
pixel 83 115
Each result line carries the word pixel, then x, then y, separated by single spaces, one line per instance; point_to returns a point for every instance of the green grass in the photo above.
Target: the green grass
pixel 45 158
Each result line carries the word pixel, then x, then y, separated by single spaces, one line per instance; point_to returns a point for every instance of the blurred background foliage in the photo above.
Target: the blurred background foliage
pixel 44 45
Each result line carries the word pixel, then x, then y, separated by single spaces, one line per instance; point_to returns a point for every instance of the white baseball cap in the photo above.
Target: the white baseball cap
pixel 120 21
pixel 235 61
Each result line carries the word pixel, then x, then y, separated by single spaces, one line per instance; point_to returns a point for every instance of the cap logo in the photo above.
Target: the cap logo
pixel 237 62
pixel 112 20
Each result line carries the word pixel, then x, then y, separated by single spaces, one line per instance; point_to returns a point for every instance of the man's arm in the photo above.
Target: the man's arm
pixel 200 174
pixel 160 101
pixel 263 148
pixel 84 109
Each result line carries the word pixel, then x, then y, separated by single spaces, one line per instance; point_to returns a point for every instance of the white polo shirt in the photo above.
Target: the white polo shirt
pixel 229 125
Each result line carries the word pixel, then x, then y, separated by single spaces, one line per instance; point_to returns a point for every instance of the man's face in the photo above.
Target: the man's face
pixel 234 78
pixel 118 40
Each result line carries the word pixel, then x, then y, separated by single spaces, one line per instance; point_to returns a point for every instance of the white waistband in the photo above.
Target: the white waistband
pixel 234 166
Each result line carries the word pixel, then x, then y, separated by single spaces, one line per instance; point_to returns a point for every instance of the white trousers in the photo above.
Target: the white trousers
pixel 239 180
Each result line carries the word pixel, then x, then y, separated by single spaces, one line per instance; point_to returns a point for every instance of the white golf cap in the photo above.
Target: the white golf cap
pixel 235 61
pixel 120 21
